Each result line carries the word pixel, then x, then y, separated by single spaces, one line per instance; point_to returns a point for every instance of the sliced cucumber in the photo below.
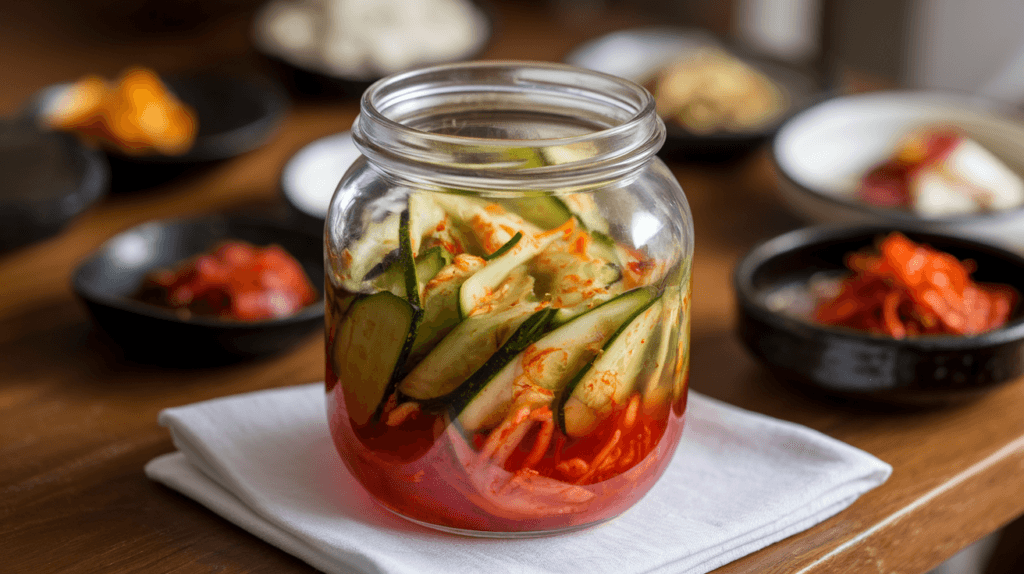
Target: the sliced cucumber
pixel 478 288
pixel 441 304
pixel 585 209
pixel 544 211
pixel 369 346
pixel 407 261
pixel 425 215
pixel 397 276
pixel 571 279
pixel 504 248
pixel 461 352
pixel 660 362
pixel 491 224
pixel 608 380
pixel 431 262
pixel 548 364
pixel 529 331
pixel 363 254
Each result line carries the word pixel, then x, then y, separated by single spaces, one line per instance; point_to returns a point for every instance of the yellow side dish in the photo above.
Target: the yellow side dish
pixel 135 115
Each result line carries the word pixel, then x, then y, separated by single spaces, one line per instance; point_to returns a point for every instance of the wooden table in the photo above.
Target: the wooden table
pixel 77 423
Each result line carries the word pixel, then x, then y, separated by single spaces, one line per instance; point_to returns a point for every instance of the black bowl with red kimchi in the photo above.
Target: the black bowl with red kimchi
pixel 788 287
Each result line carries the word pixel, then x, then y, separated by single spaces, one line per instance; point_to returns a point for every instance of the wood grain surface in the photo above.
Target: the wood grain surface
pixel 78 421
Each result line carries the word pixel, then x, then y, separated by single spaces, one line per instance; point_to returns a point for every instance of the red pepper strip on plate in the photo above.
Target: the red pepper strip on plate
pixel 907 289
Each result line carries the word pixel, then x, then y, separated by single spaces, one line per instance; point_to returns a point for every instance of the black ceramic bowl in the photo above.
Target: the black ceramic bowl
pixel 48 179
pixel 925 370
pixel 235 113
pixel 107 281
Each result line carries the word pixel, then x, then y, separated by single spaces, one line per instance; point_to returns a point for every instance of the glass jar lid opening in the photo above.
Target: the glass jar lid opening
pixel 501 125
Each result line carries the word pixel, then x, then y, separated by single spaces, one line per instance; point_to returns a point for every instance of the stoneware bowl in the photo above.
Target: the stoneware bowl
pixel 822 153
pixel 48 180
pixel 107 281
pixel 838 361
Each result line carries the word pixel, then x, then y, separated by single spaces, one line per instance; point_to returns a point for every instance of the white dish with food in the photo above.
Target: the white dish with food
pixel 823 154
pixel 713 101
pixel 310 177
pixel 360 41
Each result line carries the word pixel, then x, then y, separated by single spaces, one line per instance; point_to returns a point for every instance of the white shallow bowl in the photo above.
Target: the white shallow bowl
pixel 310 177
pixel 822 153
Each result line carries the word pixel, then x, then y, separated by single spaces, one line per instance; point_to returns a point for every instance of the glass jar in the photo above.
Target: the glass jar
pixel 508 298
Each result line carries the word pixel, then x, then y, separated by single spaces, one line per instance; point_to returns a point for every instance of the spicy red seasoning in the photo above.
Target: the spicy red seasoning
pixel 908 289
pixel 236 280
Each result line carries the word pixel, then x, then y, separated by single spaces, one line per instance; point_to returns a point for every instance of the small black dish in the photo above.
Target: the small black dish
pixel 236 114
pixel 48 179
pixel 638 54
pixel 107 281
pixel 922 371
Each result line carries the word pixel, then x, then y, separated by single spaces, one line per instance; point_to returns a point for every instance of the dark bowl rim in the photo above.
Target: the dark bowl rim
pixel 895 216
pixel 92 185
pixel 312 311
pixel 781 245
pixel 271 99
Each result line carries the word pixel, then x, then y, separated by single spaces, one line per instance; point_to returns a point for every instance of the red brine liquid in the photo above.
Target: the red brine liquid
pixel 523 476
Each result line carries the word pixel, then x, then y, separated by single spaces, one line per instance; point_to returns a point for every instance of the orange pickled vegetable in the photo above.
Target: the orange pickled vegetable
pixel 137 115
pixel 908 289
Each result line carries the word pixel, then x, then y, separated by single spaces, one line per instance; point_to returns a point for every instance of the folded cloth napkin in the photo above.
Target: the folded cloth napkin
pixel 738 482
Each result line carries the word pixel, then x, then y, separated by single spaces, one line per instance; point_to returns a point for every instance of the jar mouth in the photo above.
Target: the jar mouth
pixel 503 125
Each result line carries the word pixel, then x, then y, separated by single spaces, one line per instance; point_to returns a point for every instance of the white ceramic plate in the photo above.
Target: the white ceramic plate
pixel 822 152
pixel 310 177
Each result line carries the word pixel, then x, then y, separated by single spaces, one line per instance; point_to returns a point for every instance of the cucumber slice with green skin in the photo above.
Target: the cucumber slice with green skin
pixel 504 248
pixel 358 260
pixel 430 263
pixel 479 287
pixel 425 215
pixel 539 373
pixel 584 208
pixel 396 278
pixel 657 372
pixel 544 211
pixel 407 261
pixel 461 352
pixel 441 304
pixel 489 222
pixel 526 334
pixel 609 379
pixel 369 346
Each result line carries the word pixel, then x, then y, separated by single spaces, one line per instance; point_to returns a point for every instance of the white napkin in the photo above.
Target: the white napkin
pixel 739 481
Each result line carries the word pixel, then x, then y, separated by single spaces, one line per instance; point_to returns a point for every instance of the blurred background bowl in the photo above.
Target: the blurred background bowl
pixel 771 287
pixel 307 69
pixel 108 281
pixel 235 114
pixel 639 54
pixel 310 177
pixel 48 179
pixel 822 153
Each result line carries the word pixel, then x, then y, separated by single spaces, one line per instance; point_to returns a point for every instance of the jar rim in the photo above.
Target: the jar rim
pixel 621 131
